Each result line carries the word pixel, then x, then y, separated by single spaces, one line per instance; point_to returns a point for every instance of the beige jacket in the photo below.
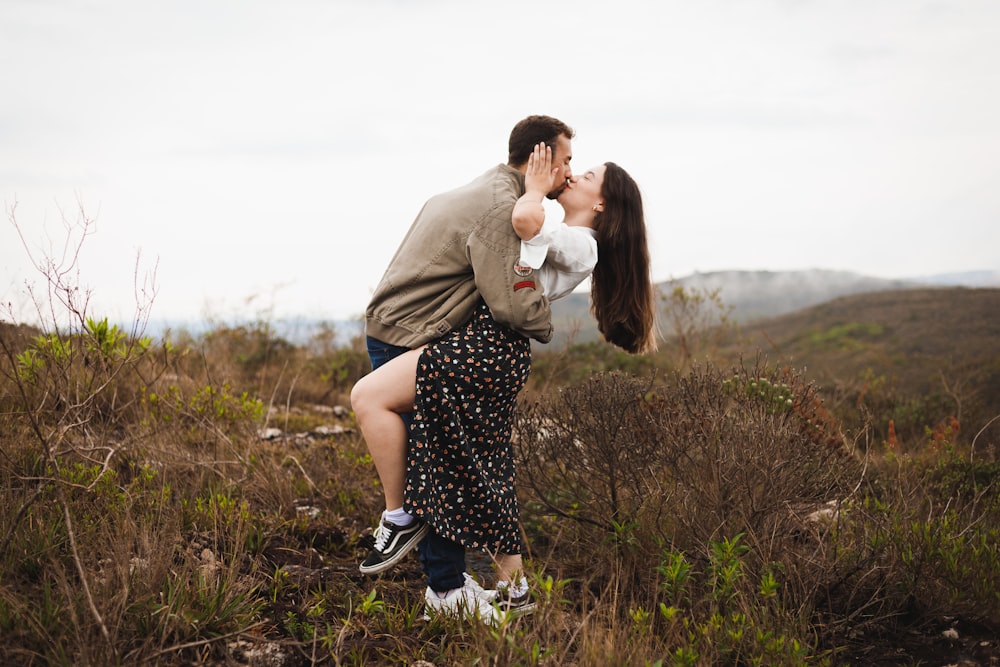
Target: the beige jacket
pixel 461 247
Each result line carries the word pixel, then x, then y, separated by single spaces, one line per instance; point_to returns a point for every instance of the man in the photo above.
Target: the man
pixel 460 249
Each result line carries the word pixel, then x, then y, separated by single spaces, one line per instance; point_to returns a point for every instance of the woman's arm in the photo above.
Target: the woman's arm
pixel 529 214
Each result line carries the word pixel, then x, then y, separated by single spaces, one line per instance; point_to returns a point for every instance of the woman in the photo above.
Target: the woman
pixel 459 476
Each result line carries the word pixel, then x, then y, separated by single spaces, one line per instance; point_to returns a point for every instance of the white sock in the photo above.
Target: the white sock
pixel 398 516
pixel 516 590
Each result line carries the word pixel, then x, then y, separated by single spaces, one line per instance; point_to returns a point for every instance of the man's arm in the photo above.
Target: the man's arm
pixel 514 297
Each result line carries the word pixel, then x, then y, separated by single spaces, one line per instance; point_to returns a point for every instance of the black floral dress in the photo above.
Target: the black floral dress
pixel 460 469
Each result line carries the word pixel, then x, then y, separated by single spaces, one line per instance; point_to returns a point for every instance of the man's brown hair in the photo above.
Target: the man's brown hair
pixel 529 132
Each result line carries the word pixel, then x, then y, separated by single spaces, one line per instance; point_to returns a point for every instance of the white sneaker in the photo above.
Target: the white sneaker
pixel 470 601
pixel 483 593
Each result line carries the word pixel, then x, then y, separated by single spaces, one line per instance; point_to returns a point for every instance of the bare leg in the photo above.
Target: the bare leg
pixel 510 568
pixel 377 399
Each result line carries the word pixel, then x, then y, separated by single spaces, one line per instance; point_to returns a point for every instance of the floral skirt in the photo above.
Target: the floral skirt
pixel 460 472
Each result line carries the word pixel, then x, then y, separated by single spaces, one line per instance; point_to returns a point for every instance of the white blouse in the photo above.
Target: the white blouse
pixel 570 256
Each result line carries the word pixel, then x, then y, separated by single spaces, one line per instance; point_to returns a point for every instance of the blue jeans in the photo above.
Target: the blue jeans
pixel 443 559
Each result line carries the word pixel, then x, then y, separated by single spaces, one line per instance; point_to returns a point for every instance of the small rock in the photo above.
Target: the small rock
pixel 269 433
pixel 307 511
pixel 826 514
pixel 209 567
pixel 137 564
pixel 268 654
pixel 950 633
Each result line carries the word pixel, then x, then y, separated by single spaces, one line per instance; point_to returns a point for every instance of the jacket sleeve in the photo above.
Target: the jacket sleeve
pixel 514 294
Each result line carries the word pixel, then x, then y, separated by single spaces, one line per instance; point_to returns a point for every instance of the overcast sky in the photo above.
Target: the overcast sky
pixel 269 156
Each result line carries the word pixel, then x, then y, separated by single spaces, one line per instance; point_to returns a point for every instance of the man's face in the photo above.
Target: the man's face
pixel 561 156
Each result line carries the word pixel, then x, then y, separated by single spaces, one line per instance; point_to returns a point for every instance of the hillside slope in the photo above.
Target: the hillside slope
pixel 747 295
pixel 917 345
pixel 908 329
pixel 916 355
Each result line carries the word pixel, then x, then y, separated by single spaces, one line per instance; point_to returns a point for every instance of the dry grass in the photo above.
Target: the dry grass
pixel 714 516
pixel 144 520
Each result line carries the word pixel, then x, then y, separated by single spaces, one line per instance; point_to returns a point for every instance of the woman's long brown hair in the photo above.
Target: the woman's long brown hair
pixel 622 296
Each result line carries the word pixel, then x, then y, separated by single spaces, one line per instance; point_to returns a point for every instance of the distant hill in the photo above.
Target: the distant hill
pixel 754 295
pixel 911 334
pixel 921 348
pixel 750 295
pixel 911 353
pixel 965 279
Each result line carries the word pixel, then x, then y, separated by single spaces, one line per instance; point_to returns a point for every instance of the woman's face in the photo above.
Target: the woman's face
pixel 583 191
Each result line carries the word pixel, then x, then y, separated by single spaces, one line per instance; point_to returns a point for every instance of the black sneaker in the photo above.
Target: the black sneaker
pixel 512 607
pixel 392 542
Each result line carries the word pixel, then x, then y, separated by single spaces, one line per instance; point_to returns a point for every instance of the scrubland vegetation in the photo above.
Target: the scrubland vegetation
pixel 204 500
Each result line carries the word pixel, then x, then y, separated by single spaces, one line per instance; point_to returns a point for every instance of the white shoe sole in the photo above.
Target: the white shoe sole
pixel 407 547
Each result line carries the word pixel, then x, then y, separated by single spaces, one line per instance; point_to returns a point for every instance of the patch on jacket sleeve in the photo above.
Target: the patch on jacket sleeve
pixel 525 284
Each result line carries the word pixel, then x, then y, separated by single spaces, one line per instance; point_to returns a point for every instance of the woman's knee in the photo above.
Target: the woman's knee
pixel 362 397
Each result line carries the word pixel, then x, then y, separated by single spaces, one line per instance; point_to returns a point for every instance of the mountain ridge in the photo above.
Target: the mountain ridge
pixel 746 294
pixel 750 295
